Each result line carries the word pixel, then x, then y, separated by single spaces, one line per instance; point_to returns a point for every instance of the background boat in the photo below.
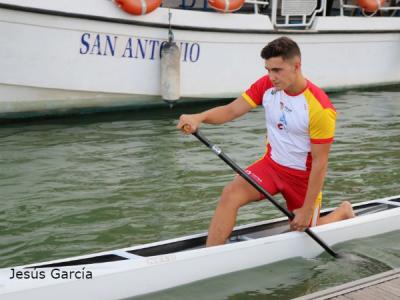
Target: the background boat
pixel 63 56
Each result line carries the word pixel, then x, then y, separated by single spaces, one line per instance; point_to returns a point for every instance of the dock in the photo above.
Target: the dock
pixel 383 286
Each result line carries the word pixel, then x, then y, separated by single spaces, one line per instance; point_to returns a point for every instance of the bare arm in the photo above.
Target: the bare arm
pixel 320 153
pixel 217 115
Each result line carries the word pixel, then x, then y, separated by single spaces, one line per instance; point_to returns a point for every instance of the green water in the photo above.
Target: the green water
pixel 93 183
pixel 296 277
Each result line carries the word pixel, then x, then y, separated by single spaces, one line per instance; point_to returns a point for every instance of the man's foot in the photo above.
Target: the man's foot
pixel 343 212
pixel 346 210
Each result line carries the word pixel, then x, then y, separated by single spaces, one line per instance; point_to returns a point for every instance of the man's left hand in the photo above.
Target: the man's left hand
pixel 301 219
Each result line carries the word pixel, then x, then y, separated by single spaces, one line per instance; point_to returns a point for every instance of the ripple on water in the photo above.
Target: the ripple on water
pixel 96 183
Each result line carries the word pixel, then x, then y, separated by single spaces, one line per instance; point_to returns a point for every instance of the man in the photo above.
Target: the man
pixel 300 122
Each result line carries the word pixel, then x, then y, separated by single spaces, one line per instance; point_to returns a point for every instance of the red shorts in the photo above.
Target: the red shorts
pixel 291 183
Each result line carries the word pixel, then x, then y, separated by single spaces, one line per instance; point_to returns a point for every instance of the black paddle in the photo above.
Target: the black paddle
pixel 250 180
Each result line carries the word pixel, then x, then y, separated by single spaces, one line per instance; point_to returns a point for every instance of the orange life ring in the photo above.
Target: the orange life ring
pixel 370 5
pixel 226 5
pixel 138 7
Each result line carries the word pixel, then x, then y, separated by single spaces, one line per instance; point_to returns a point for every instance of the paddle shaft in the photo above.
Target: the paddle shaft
pixel 250 180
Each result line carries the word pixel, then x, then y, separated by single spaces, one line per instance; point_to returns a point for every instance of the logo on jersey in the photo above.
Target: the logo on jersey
pixel 284 107
pixel 282 121
pixel 287 109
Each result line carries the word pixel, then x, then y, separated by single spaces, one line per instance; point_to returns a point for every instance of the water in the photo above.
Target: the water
pixel 94 183
pixel 296 277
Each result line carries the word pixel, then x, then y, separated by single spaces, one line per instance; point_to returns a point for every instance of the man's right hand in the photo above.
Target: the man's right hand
pixel 218 115
pixel 189 123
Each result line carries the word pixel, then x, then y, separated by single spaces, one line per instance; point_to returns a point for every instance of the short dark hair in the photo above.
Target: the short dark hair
pixel 283 46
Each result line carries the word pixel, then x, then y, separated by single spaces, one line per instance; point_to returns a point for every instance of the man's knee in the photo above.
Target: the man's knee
pixel 234 195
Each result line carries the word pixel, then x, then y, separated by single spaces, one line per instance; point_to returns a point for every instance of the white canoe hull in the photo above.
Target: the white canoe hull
pixel 140 275
pixel 71 55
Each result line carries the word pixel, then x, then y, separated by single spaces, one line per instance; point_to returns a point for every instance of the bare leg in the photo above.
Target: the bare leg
pixel 343 212
pixel 235 194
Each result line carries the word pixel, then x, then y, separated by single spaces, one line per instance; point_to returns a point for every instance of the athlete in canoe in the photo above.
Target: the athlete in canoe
pixel 300 121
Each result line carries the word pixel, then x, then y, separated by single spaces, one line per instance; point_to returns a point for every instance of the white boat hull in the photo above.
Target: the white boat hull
pixel 140 275
pixel 68 49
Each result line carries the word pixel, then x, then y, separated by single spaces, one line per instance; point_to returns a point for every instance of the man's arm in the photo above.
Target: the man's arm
pixel 303 215
pixel 218 115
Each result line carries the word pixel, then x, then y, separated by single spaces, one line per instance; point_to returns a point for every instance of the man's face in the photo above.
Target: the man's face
pixel 282 72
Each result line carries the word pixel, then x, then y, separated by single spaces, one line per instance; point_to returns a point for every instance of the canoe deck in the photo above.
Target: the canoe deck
pixel 240 234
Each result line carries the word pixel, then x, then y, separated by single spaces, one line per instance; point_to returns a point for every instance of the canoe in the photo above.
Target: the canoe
pixel 148 268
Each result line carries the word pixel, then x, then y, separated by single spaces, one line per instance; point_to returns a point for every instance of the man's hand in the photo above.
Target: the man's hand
pixel 219 115
pixel 304 214
pixel 189 123
pixel 301 220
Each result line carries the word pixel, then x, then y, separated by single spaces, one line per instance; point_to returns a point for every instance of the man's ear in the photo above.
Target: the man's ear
pixel 298 66
pixel 296 62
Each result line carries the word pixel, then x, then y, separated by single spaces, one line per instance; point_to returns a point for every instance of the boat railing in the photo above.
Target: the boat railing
pixel 250 6
pixel 296 13
pixel 257 4
pixel 203 5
